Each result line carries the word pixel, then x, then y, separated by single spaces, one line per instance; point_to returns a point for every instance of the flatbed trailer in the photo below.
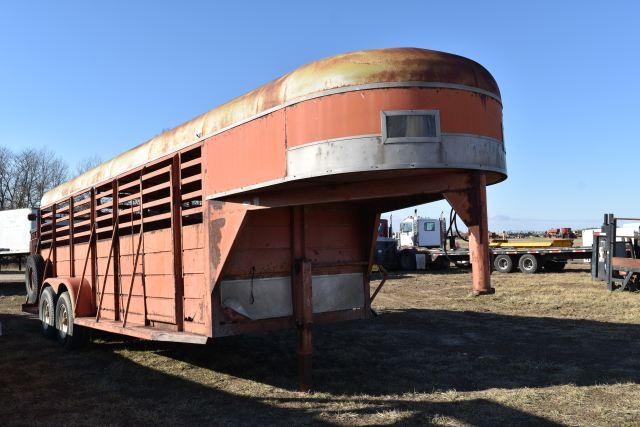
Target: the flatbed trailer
pixel 503 260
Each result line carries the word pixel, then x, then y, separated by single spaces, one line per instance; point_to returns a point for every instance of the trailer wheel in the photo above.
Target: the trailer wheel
pixel 528 264
pixel 407 260
pixel 554 266
pixel 503 264
pixel 47 313
pixel 33 277
pixel 69 335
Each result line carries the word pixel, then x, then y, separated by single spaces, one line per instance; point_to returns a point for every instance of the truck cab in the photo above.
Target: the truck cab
pixel 422 232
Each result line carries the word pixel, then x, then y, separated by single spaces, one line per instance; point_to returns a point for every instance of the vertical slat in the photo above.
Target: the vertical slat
pixel 116 249
pixel 54 252
pixel 144 283
pixel 176 233
pixel 72 257
pixel 39 231
pixel 93 247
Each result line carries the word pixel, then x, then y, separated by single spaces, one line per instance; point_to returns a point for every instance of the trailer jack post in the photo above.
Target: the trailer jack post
pixel 471 206
pixel 305 324
pixel 479 236
pixel 305 355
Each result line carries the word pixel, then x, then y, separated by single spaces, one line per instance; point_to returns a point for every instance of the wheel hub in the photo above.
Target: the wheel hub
pixel 46 314
pixel 63 320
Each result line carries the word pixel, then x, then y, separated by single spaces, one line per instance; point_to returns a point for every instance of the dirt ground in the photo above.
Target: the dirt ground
pixel 545 349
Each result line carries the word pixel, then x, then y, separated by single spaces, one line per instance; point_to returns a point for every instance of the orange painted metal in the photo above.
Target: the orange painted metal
pixel 324 118
pixel 256 148
pixel 471 205
pixel 74 286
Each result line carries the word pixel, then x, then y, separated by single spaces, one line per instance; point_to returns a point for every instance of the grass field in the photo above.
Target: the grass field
pixel 545 349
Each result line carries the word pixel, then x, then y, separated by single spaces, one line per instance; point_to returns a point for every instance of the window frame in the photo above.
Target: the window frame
pixel 432 223
pixel 406 231
pixel 404 139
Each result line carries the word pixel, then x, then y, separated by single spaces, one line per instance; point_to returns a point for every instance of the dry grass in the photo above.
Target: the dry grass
pixel 546 349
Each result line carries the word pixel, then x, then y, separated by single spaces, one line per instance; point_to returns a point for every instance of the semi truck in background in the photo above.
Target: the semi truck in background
pixel 427 243
pixel 15 238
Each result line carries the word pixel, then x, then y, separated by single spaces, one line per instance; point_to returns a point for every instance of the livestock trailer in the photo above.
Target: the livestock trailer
pixel 262 214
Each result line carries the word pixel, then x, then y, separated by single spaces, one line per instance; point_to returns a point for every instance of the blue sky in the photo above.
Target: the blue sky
pixel 87 78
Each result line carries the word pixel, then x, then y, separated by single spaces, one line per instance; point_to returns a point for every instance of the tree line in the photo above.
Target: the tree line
pixel 27 174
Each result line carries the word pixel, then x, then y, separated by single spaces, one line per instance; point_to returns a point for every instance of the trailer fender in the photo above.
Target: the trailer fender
pixel 85 306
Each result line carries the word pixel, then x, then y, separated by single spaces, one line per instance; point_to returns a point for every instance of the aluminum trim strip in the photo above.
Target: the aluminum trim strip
pixel 376 139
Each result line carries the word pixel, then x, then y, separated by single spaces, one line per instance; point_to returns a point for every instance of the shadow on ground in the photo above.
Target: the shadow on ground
pixel 42 383
pixel 11 289
pixel 429 350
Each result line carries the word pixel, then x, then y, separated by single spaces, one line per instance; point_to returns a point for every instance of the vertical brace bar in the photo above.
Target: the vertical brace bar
pixel 176 233
pixel 133 278
pixel 84 270
pixel 114 236
pixel 72 252
pixel 612 224
pixel 385 276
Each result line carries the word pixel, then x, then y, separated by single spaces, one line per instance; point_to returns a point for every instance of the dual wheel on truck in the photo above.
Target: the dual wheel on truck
pixel 54 310
pixel 527 263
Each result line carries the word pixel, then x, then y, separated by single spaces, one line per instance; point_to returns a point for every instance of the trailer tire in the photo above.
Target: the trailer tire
pixel 528 264
pixel 407 260
pixel 554 266
pixel 503 264
pixel 47 313
pixel 70 336
pixel 33 277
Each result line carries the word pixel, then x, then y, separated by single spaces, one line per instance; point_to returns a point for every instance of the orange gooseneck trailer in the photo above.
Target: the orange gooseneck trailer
pixel 262 214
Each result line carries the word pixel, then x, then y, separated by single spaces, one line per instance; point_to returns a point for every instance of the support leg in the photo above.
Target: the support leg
pixel 305 323
pixel 471 206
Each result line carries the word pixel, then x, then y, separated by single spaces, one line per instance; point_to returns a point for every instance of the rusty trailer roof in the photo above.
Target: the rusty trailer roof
pixel 395 67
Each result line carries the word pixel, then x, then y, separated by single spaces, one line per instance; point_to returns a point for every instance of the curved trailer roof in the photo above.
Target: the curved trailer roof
pixel 397 67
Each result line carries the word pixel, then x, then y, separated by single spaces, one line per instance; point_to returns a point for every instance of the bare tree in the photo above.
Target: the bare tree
pixel 87 163
pixel 25 176
pixel 5 168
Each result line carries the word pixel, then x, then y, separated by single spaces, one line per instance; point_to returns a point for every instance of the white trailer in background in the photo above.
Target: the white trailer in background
pixel 15 237
pixel 630 230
